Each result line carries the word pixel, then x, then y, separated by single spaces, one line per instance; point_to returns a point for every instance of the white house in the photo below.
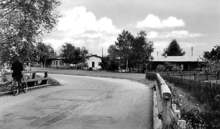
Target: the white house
pixel 94 62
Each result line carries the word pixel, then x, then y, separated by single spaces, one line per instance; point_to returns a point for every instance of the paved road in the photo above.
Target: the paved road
pixel 80 103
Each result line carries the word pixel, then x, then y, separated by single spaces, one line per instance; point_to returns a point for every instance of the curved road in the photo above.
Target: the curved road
pixel 80 103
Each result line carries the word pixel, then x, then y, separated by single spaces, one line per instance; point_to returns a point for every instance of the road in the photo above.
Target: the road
pixel 80 103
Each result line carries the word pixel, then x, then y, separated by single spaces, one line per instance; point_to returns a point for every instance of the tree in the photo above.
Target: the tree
pixel 44 52
pixel 212 58
pixel 213 55
pixel 124 48
pixel 131 51
pixel 141 50
pixel 108 63
pixel 72 54
pixel 83 54
pixel 173 49
pixel 21 24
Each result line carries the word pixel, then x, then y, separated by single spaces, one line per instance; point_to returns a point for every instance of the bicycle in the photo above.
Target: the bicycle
pixel 17 87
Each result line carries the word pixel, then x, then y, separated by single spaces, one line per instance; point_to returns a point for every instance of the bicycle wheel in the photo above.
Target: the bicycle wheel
pixel 25 88
pixel 15 90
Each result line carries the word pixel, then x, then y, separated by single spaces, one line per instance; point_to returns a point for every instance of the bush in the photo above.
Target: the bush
pixel 160 68
pixel 203 91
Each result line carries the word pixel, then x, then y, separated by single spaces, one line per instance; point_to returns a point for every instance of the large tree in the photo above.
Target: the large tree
pixel 72 54
pixel 123 46
pixel 44 52
pixel 173 49
pixel 21 24
pixel 131 51
pixel 141 49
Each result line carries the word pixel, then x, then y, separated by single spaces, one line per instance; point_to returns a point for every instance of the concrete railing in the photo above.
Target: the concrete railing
pixel 163 88
pixel 166 115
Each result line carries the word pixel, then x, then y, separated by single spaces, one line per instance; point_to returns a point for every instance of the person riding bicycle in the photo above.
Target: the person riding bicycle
pixel 17 68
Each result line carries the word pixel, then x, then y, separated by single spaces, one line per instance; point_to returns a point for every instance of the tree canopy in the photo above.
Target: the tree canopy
pixel 72 54
pixel 21 24
pixel 213 55
pixel 173 49
pixel 130 51
pixel 44 52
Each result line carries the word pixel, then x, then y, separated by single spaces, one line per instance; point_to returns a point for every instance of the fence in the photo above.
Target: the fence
pixel 195 75
pixel 205 92
pixel 205 89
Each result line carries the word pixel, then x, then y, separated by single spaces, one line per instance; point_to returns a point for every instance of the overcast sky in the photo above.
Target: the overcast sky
pixel 95 24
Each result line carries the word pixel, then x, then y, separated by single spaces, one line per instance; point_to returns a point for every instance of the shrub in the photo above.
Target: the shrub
pixel 160 68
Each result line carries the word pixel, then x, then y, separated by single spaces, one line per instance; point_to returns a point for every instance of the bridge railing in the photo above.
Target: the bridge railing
pixel 166 116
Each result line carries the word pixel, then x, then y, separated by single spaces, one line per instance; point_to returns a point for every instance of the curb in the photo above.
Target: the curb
pixel 29 88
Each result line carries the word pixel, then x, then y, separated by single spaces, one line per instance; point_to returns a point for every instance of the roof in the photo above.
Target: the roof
pixel 93 56
pixel 177 59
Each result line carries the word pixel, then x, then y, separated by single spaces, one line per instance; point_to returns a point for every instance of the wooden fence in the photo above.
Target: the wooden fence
pixel 205 92
pixel 193 75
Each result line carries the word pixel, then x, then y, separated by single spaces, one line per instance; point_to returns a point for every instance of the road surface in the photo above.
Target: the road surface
pixel 80 103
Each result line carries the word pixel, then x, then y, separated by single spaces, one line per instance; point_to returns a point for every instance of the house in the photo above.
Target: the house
pixel 57 63
pixel 185 63
pixel 93 62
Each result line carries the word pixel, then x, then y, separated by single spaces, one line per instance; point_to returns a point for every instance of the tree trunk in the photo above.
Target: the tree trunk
pixel 127 66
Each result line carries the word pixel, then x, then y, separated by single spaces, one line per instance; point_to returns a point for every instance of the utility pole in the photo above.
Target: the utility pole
pixel 191 51
pixel 102 52
pixel 127 66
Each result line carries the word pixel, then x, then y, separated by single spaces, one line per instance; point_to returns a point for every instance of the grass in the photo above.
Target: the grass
pixel 187 103
pixel 197 113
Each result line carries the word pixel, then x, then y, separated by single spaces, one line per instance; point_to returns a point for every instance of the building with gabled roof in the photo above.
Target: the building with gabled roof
pixel 94 62
pixel 187 63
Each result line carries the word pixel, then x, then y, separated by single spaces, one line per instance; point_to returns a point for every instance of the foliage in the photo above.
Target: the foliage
pixel 44 52
pixel 108 63
pixel 173 49
pixel 161 68
pixel 130 51
pixel 72 54
pixel 123 47
pixel 213 55
pixel 204 92
pixel 21 23
pixel 192 112
pixel 141 50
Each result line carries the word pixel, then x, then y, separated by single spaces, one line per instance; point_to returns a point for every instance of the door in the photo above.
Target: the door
pixel 93 64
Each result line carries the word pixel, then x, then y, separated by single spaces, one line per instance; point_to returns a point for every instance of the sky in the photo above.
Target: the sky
pixel 95 24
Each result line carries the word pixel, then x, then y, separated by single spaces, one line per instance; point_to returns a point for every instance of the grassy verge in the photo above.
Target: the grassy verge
pixel 196 114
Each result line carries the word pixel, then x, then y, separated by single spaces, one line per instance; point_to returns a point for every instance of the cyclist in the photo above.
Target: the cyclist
pixel 17 68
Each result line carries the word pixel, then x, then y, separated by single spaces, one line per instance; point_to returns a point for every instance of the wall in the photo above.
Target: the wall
pixel 96 61
pixel 57 64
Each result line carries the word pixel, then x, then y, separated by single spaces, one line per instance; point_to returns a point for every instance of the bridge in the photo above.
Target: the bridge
pixel 82 103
